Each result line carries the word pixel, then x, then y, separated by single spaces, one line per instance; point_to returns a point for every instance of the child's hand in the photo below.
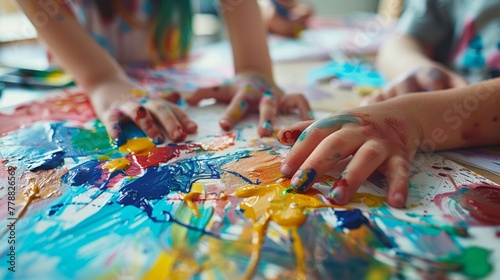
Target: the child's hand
pixel 252 92
pixel 119 100
pixel 426 78
pixel 381 136
pixel 287 20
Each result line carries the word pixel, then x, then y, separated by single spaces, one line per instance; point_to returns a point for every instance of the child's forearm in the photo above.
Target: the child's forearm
pixel 400 54
pixel 72 47
pixel 248 36
pixel 460 117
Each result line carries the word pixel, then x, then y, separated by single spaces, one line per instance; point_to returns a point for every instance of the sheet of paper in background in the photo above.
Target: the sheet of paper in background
pixel 215 206
pixel 484 158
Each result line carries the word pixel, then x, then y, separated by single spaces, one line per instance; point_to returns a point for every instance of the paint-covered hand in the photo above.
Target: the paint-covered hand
pixel 425 78
pixel 380 136
pixel 155 113
pixel 251 92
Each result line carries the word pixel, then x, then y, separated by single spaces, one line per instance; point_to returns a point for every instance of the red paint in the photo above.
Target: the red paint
pixel 482 202
pixel 66 106
pixel 289 136
pixel 399 128
pixel 476 125
pixel 442 174
pixel 141 113
pixel 163 154
pixel 495 119
pixel 341 183
pixel 447 168
pixel 372 129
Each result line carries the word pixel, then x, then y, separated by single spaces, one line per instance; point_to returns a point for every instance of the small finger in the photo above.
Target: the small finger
pixel 187 123
pixel 267 114
pixel 310 138
pixel 166 117
pixel 290 135
pixel 296 101
pixel 366 160
pixel 324 156
pixel 112 122
pixel 398 170
pixel 143 119
pixel 234 112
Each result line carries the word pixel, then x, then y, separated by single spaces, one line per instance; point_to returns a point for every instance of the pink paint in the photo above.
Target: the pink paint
pixel 399 128
pixel 67 106
pixel 482 201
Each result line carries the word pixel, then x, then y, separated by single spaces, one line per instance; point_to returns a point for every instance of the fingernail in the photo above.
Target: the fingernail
pixel 286 170
pixel 303 179
pixel 398 199
pixel 338 194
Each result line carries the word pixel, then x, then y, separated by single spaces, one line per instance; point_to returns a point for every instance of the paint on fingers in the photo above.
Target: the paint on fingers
pixel 289 137
pixel 330 122
pixel 303 179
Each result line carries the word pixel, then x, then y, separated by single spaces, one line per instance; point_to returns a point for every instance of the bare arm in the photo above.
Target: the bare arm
pixel 102 78
pixel 460 117
pixel 77 52
pixel 248 36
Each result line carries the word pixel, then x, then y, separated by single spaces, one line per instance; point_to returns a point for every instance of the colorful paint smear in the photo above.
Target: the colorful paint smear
pixel 216 207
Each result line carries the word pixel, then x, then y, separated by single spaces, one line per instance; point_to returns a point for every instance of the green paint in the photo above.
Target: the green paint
pixel 271 152
pixel 92 140
pixel 303 135
pixel 474 262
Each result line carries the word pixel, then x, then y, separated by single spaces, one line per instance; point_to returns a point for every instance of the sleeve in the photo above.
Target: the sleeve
pixel 429 21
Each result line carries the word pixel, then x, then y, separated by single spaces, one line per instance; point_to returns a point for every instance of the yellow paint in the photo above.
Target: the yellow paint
pixel 32 193
pixel 197 190
pixel 138 92
pixel 117 164
pixel 364 90
pixel 162 269
pixel 272 203
pixel 237 114
pixel 223 196
pixel 368 199
pixel 138 146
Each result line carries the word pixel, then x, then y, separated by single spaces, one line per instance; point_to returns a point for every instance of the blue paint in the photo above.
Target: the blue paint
pixel 306 178
pixel 52 161
pixel 159 181
pixel 335 120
